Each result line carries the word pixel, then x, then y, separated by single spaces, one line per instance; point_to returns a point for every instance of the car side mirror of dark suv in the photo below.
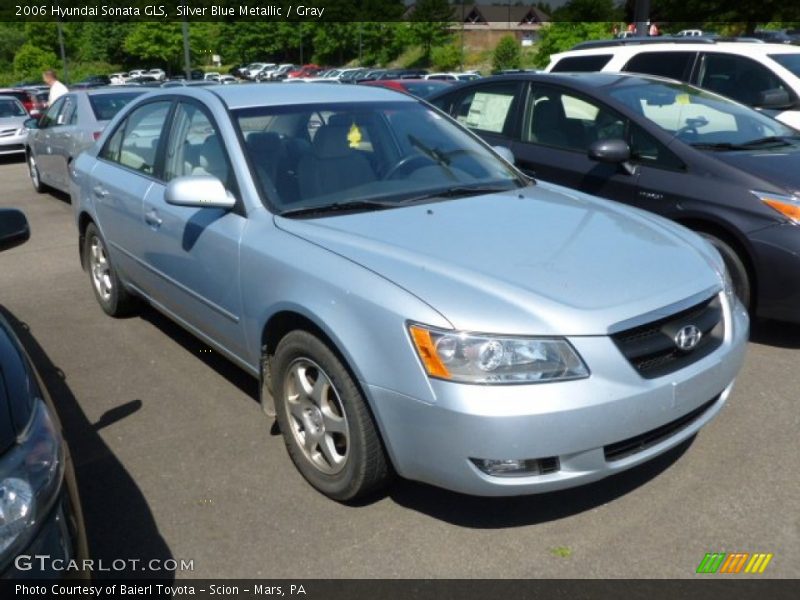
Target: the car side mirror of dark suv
pixel 776 98
pixel 612 152
pixel 14 228
pixel 32 123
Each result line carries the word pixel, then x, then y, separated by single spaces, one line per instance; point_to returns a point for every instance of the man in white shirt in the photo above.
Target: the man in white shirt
pixel 57 89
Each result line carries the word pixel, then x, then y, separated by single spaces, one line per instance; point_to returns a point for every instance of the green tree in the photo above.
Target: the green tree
pixel 30 61
pixel 161 44
pixel 588 11
pixel 430 24
pixel 561 36
pixel 446 58
pixel 507 54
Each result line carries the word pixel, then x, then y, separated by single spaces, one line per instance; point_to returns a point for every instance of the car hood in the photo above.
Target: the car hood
pixel 777 166
pixel 9 122
pixel 542 260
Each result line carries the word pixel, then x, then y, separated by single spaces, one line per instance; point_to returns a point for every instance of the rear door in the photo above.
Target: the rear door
pixel 60 141
pixel 675 65
pixel 120 180
pixel 40 141
pixel 557 128
pixel 491 110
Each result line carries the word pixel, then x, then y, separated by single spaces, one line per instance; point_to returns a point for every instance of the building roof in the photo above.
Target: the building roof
pixel 498 13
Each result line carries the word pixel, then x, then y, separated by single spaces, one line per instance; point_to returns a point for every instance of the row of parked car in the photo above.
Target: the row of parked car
pixel 480 291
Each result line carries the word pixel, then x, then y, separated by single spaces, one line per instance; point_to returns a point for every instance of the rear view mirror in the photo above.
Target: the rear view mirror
pixel 776 98
pixel 14 229
pixel 505 153
pixel 201 191
pixel 31 123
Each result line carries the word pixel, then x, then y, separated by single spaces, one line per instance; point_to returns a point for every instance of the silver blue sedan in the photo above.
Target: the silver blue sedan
pixel 409 301
pixel 73 123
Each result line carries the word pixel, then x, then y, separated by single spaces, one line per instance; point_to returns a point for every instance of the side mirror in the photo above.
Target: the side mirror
pixel 612 152
pixel 505 153
pixel 14 229
pixel 773 99
pixel 31 123
pixel 201 191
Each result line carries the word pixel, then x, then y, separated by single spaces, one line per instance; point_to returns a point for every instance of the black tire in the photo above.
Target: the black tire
pixel 112 296
pixel 33 173
pixel 736 267
pixel 364 468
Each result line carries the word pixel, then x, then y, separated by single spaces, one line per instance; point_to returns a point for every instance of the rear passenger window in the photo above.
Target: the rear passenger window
pixel 575 64
pixel 488 107
pixel 135 142
pixel 675 65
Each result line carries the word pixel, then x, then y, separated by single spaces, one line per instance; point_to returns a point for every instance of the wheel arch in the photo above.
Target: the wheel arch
pixel 728 234
pixel 84 219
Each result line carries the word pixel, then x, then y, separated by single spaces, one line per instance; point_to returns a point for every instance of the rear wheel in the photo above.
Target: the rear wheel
pixel 112 296
pixel 736 267
pixel 326 425
pixel 33 171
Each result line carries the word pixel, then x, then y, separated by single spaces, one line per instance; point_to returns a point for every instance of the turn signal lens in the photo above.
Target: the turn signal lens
pixel 427 352
pixel 788 206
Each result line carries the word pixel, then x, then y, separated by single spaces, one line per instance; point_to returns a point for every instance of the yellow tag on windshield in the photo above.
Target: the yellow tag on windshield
pixel 354 136
pixel 683 99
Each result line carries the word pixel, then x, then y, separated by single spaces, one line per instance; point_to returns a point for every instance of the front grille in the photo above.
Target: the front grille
pixel 651 348
pixel 620 450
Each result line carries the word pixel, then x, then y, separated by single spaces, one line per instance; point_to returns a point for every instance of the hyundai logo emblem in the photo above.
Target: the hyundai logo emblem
pixel 688 337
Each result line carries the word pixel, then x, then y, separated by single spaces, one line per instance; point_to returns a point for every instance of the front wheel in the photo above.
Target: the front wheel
pixel 736 268
pixel 326 425
pixel 112 296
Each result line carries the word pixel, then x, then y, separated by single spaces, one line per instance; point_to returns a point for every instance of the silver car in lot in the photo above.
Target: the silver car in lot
pixel 12 129
pixel 410 302
pixel 72 124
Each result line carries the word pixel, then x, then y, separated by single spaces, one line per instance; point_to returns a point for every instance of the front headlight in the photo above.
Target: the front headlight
pixel 787 205
pixel 30 476
pixel 472 358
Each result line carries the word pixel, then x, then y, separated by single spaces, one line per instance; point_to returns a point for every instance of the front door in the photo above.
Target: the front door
pixel 192 254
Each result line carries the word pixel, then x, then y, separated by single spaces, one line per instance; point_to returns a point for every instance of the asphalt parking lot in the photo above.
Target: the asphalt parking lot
pixel 176 460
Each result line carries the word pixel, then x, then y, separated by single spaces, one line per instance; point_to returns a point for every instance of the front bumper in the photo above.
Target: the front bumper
pixel 777 252
pixel 580 423
pixel 13 144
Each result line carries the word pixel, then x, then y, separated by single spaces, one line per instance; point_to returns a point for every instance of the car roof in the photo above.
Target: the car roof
pixel 743 48
pixel 281 94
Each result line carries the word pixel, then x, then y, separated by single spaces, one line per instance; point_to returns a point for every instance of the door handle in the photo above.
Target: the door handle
pixel 100 191
pixel 151 218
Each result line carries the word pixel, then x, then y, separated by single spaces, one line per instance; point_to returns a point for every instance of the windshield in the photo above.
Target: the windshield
pixel 106 106
pixel 11 108
pixel 790 62
pixel 698 117
pixel 312 156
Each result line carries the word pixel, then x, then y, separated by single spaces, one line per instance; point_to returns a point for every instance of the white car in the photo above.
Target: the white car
pixel 118 78
pixel 137 73
pixel 689 33
pixel 211 76
pixel 159 74
pixel 452 76
pixel 227 79
pixel 764 76
pixel 255 68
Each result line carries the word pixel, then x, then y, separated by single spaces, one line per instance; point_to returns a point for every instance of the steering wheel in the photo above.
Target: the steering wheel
pixel 691 127
pixel 406 161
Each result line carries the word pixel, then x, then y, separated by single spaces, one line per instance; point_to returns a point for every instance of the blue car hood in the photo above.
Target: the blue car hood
pixel 540 260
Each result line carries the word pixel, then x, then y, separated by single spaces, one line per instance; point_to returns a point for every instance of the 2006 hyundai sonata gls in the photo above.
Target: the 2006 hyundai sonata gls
pixel 408 299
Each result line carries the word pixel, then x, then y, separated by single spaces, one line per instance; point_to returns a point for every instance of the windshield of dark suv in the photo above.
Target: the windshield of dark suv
pixel 365 156
pixel 703 119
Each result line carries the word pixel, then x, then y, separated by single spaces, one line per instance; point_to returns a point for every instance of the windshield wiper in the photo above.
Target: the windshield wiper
pixel 457 192
pixel 338 207
pixel 765 141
